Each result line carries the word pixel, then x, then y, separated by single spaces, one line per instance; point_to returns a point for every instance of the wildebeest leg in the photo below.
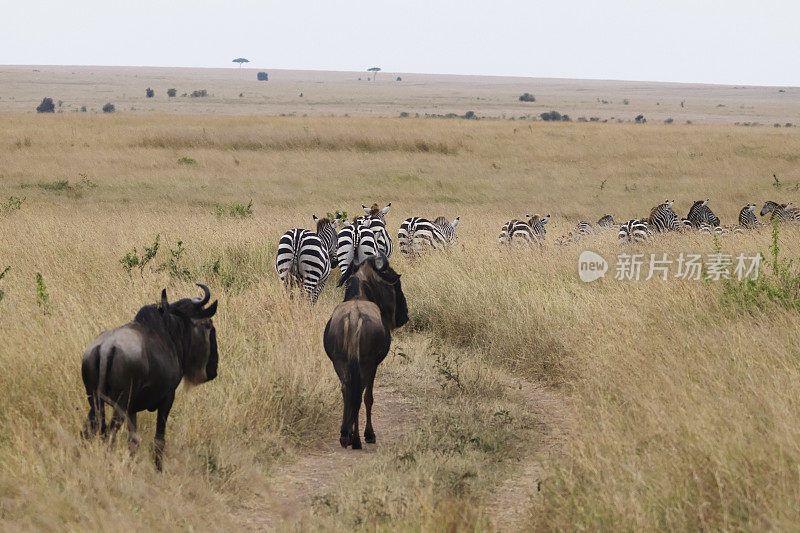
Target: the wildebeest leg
pixel 369 379
pixel 115 424
pixel 96 420
pixel 161 427
pixel 133 434
pixel 344 433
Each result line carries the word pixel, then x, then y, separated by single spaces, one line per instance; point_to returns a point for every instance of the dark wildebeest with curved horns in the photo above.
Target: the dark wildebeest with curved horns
pixel 358 335
pixel 139 365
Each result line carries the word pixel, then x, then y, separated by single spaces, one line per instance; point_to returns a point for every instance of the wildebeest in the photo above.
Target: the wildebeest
pixel 358 335
pixel 138 366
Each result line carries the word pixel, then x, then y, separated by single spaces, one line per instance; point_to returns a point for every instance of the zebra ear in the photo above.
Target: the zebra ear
pixel 455 222
pixel 706 202
pixel 365 208
pixel 315 218
pixel 546 219
pixel 528 218
pixel 385 210
pixel 335 223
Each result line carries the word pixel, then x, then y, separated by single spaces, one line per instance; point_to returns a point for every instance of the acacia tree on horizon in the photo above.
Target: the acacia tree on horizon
pixel 241 61
pixel 375 70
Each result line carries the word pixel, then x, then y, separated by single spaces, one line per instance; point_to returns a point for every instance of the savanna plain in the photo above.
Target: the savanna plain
pixel 517 397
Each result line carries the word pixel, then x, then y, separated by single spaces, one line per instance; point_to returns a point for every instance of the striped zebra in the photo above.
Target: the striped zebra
pixel 783 212
pixel 636 230
pixel 377 223
pixel 531 231
pixel 686 223
pixel 303 260
pixel 747 217
pixel 606 221
pixel 355 243
pixel 416 232
pixel 701 214
pixel 663 218
pixel 584 228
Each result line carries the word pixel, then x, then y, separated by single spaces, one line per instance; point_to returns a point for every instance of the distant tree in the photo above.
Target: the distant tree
pixel 470 115
pixel 262 76
pixel 375 70
pixel 241 61
pixel 551 116
pixel 149 92
pixel 199 94
pixel 669 121
pixel 47 106
pixel 171 93
pixel 108 108
pixel 527 97
pixel 640 119
pixel 399 78
pixel 83 109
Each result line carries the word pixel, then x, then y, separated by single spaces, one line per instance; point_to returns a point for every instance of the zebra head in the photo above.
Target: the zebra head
pixel 375 212
pixel 769 207
pixel 751 207
pixel 606 221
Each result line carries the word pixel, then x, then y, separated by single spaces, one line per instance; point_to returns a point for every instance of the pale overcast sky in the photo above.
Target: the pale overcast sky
pixel 733 42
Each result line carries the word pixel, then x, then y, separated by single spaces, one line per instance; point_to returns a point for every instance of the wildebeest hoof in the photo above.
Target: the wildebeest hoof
pixel 343 442
pixel 356 443
pixel 369 437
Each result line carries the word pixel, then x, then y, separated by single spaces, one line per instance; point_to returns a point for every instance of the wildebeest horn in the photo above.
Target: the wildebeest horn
pixel 206 297
pixel 208 312
pixel 164 302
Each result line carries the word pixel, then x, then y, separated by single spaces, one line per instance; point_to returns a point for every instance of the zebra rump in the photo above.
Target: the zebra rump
pixel 355 243
pixel 303 260
pixel 636 230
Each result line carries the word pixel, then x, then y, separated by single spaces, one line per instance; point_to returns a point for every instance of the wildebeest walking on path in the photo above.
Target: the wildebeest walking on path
pixel 138 366
pixel 358 335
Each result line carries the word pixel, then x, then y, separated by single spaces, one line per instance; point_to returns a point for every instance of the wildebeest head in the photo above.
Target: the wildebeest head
pixel 197 334
pixel 376 281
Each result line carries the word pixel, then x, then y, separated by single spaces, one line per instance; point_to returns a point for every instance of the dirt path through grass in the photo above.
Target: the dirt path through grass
pixel 509 505
pixel 294 486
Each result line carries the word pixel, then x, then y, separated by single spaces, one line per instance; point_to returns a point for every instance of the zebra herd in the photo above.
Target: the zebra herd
pixel 306 257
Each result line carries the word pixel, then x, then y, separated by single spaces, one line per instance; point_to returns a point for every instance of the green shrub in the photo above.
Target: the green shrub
pixel 527 97
pixel 47 106
pixel 780 286
pixel 133 260
pixel 109 108
pixel 42 296
pixel 2 275
pixel 186 161
pixel 235 210
pixel 171 93
pixel 149 92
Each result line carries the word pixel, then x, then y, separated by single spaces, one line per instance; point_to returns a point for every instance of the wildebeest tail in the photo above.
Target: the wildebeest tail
pixel 353 377
pixel 106 359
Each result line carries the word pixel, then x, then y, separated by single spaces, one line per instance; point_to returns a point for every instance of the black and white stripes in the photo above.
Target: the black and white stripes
pixel 415 233
pixel 303 260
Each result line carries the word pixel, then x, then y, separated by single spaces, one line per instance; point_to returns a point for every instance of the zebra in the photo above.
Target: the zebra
pixel 415 232
pixel 531 231
pixel 663 218
pixel 636 230
pixel 377 223
pixel 326 231
pixel 747 218
pixel 584 228
pixel 686 223
pixel 606 221
pixel 303 259
pixel 355 243
pixel 700 214
pixel 783 212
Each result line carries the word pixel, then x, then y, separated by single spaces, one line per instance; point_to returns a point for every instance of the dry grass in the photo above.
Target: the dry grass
pixel 684 405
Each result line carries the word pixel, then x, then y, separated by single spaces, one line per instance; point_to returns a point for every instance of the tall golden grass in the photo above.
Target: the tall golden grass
pixel 684 406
